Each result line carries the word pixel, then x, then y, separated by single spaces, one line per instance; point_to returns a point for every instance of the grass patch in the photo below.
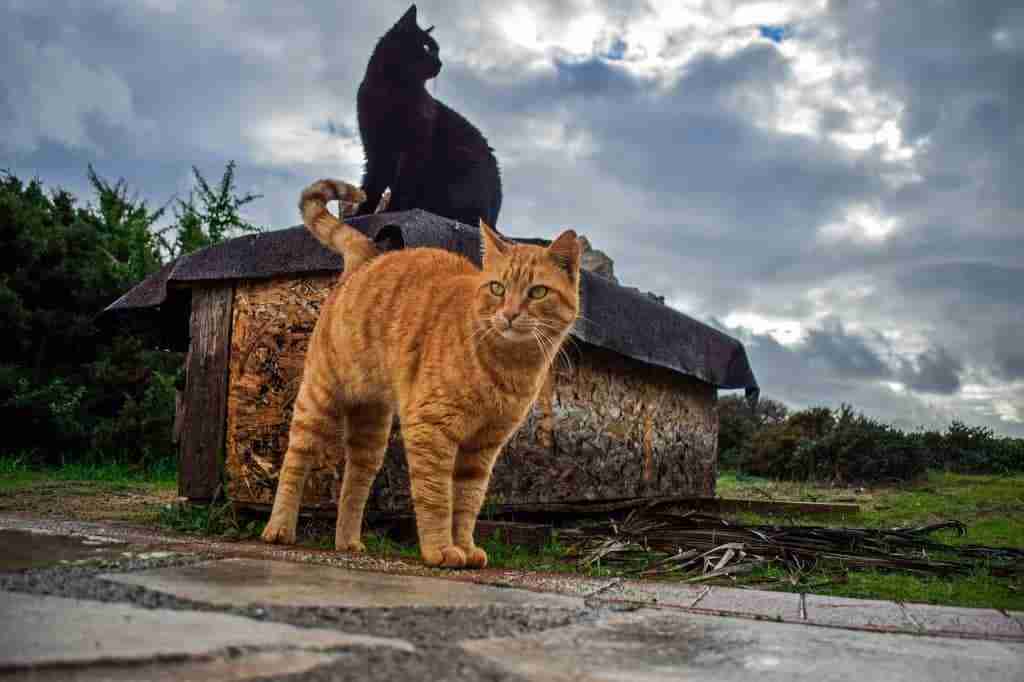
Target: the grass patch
pixel 15 472
pixel 18 470
pixel 380 545
pixel 992 508
pixel 91 491
pixel 553 557
pixel 978 589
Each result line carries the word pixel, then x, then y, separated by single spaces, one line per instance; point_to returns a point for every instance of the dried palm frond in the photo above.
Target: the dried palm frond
pixel 696 546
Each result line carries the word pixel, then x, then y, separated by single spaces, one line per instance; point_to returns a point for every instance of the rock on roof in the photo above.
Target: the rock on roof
pixel 613 317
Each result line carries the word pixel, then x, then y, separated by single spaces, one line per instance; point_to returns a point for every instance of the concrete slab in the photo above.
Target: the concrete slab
pixel 253 666
pixel 660 646
pixel 953 620
pixel 856 613
pixel 758 603
pixel 25 549
pixel 280 583
pixel 41 630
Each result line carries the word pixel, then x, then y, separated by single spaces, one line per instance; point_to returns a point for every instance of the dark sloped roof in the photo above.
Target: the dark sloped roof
pixel 613 317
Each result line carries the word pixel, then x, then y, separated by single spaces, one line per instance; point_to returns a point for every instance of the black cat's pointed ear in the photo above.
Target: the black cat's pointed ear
pixel 565 251
pixel 491 245
pixel 408 19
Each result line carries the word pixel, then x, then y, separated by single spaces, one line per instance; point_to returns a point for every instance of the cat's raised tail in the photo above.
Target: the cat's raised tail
pixel 355 247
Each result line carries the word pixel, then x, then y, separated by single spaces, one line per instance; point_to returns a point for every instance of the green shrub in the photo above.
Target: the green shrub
pixel 975 450
pixel 78 392
pixel 842 447
pixel 858 449
pixel 772 448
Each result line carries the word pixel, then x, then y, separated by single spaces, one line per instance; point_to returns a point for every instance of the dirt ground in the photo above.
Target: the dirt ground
pixel 88 500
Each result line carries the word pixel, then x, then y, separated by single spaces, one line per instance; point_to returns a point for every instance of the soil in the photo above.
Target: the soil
pixel 88 500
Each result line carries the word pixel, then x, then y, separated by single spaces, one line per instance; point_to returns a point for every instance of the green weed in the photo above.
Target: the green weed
pixel 210 520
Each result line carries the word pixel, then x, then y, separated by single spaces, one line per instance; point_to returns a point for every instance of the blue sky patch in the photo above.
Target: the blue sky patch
pixel 617 51
pixel 776 34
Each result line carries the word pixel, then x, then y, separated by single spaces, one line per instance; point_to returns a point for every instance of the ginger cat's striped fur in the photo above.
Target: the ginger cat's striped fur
pixel 459 353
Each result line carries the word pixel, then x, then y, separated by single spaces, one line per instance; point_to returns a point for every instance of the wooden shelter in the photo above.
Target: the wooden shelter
pixel 632 415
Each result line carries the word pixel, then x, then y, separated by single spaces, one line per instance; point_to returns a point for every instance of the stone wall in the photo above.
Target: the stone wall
pixel 606 426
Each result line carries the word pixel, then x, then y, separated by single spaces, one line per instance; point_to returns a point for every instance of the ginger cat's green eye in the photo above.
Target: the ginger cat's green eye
pixel 497 288
pixel 538 292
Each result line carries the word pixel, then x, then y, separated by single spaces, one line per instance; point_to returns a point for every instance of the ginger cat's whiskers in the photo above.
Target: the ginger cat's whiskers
pixel 561 353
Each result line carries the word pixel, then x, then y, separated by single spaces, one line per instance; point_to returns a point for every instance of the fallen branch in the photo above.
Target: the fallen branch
pixel 696 547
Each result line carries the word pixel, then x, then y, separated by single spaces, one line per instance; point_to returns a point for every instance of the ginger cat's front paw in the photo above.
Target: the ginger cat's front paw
pixel 349 546
pixel 448 556
pixel 475 557
pixel 278 532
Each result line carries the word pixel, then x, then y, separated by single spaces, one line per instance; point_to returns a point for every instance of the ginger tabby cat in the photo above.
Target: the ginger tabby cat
pixel 459 353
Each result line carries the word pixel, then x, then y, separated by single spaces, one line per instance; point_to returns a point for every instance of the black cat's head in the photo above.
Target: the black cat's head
pixel 407 52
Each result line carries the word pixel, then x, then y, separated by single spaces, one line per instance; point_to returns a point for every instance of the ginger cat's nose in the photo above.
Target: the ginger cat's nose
pixel 510 315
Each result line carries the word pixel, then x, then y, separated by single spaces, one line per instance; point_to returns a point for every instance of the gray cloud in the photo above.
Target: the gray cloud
pixel 978 283
pixel 680 175
pixel 1008 349
pixel 934 371
pixel 849 355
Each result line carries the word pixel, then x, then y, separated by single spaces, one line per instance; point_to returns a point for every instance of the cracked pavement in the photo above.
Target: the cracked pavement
pixel 94 601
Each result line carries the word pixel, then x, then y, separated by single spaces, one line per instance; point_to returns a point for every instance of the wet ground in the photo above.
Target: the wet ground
pixel 25 549
pixel 135 604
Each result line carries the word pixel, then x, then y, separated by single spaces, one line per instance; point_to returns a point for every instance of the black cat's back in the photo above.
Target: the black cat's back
pixel 431 156
pixel 469 180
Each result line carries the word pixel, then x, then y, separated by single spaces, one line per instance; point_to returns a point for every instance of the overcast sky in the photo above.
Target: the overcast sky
pixel 838 184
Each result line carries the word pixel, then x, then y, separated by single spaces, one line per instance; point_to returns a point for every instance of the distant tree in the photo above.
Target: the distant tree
pixel 739 421
pixel 768 411
pixel 62 377
pixel 61 265
pixel 213 219
pixel 78 391
pixel 125 229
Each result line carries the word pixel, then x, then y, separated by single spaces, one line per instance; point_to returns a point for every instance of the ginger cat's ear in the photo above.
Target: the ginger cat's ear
pixel 565 251
pixel 491 244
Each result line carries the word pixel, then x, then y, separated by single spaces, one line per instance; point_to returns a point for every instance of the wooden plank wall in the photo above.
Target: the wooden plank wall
pixel 606 428
pixel 273 321
pixel 206 391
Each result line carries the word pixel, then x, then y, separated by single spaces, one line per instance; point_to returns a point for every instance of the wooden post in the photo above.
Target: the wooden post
pixel 206 391
pixel 179 416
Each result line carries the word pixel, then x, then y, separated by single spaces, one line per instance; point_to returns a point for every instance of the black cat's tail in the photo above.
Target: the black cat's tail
pixel 355 247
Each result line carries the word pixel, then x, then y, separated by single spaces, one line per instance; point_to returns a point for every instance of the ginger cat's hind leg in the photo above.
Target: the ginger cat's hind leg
pixel 315 427
pixel 367 428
